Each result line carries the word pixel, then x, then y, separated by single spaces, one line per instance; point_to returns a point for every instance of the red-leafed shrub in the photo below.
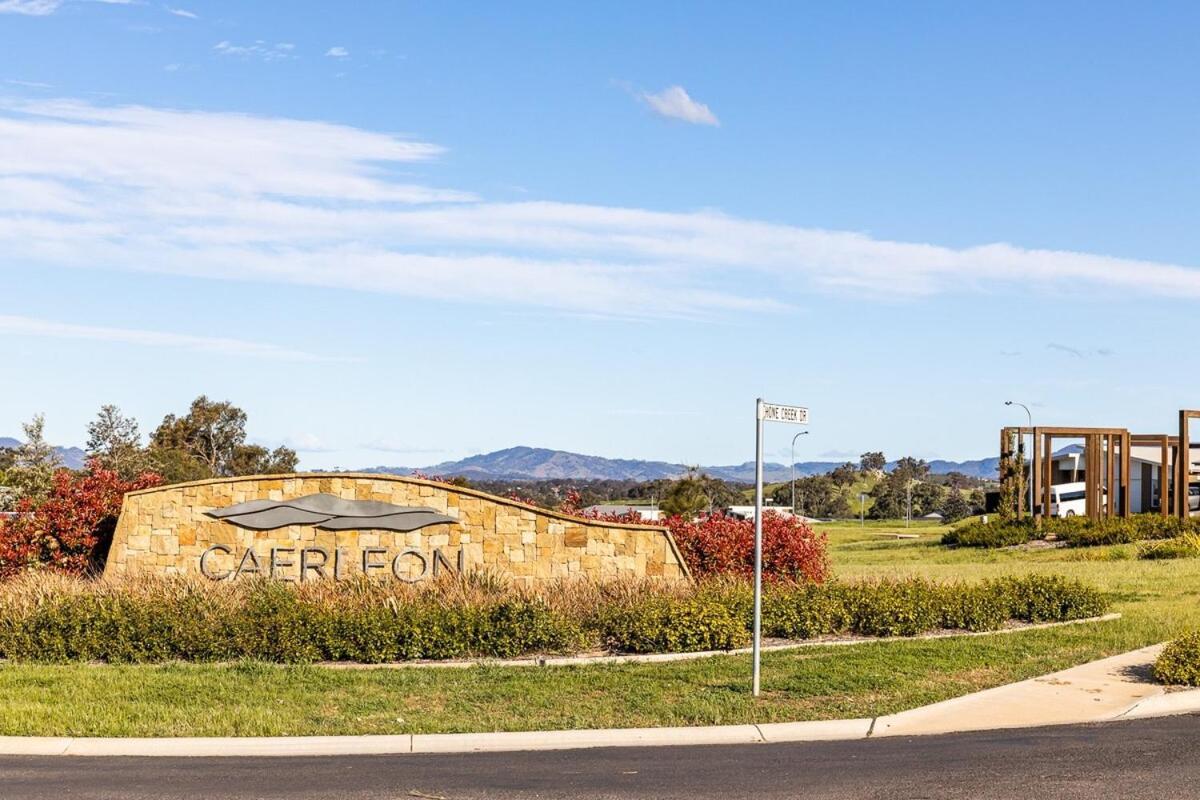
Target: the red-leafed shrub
pixel 720 545
pixel 71 529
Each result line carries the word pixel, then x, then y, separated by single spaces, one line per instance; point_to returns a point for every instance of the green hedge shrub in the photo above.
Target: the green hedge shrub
pixel 1186 546
pixel 1075 531
pixel 1179 661
pixel 60 620
pixel 994 533
pixel 660 625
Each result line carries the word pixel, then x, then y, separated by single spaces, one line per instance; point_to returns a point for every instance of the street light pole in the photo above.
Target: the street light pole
pixel 1033 465
pixel 793 463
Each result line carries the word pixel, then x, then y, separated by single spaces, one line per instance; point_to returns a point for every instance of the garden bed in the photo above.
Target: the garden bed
pixel 44 618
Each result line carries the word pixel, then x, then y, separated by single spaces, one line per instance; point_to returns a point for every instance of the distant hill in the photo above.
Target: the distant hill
pixel 536 463
pixel 71 457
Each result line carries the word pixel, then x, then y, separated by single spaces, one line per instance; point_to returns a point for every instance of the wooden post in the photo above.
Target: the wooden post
pixel 1126 476
pixel 1048 458
pixel 1164 478
pixel 1110 452
pixel 1183 454
pixel 1035 474
pixel 1092 478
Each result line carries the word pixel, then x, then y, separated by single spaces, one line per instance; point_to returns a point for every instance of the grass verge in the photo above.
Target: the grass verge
pixel 1157 598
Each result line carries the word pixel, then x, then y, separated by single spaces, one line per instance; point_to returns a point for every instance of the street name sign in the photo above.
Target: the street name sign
pixel 764 412
pixel 774 412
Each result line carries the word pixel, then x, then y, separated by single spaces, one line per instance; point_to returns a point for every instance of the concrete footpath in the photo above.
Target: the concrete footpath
pixel 1120 687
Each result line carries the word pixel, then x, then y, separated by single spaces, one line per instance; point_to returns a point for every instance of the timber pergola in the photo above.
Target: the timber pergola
pixel 1169 449
pixel 1103 448
pixel 1183 463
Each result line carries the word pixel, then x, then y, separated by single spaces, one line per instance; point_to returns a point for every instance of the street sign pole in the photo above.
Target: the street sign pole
pixel 758 503
pixel 764 412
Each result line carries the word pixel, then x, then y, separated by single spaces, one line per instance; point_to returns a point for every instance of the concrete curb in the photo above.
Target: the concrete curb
pixel 200 747
pixel 964 716
pixel 1163 705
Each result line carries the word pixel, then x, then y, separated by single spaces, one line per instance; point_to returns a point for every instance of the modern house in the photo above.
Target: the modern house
pixel 1145 472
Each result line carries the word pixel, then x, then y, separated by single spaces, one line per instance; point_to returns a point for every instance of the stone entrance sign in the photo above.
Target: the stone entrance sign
pixel 323 526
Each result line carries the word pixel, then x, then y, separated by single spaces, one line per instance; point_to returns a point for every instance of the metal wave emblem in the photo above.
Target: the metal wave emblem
pixel 329 513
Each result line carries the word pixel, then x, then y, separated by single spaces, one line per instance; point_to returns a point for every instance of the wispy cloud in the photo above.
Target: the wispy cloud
pixel 337 52
pixel 33 8
pixel 1080 352
pixel 674 102
pixel 28 84
pixel 182 12
pixel 401 446
pixel 259 49
pixel 249 198
pixel 654 412
pixel 308 443
pixel 31 326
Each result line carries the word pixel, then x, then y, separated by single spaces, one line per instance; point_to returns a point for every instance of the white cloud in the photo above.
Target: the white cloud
pixel 244 198
pixel 28 84
pixel 30 326
pixel 183 12
pixel 33 8
pixel 308 443
pixel 259 49
pixel 401 446
pixel 337 52
pixel 676 103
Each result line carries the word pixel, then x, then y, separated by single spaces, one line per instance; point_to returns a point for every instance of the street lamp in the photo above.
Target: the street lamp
pixel 1033 466
pixel 793 464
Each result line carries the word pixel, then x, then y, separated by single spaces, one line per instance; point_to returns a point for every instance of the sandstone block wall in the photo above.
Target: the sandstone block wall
pixel 166 531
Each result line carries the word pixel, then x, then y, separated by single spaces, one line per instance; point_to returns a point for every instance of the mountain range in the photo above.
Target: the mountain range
pixel 539 463
pixel 71 457
pixel 536 463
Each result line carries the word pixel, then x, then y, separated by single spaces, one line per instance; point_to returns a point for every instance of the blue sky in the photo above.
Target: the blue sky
pixel 401 232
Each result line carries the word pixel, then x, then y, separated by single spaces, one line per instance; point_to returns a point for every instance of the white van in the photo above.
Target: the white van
pixel 1070 499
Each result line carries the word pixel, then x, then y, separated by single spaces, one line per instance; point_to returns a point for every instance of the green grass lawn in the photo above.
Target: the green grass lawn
pixel 1157 598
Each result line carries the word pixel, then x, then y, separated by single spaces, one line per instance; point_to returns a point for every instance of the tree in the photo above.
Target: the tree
pixel 872 462
pixel 844 475
pixel 816 496
pixel 955 507
pixel 32 472
pixel 909 468
pixel 252 459
pixel 210 441
pixel 114 441
pixel 687 496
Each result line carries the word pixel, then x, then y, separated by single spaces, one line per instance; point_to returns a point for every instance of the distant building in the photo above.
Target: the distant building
pixel 1145 473
pixel 648 513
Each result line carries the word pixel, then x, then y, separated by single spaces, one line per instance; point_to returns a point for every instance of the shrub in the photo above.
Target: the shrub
pixel 995 533
pixel 1084 533
pixel 984 607
pixel 44 617
pixel 893 607
pixel 1052 598
pixel 71 529
pixel 1074 531
pixel 657 625
pixel 1179 661
pixel 721 545
pixel 1186 546
pixel 805 611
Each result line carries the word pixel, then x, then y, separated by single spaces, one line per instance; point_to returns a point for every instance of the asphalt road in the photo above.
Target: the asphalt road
pixel 1157 758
